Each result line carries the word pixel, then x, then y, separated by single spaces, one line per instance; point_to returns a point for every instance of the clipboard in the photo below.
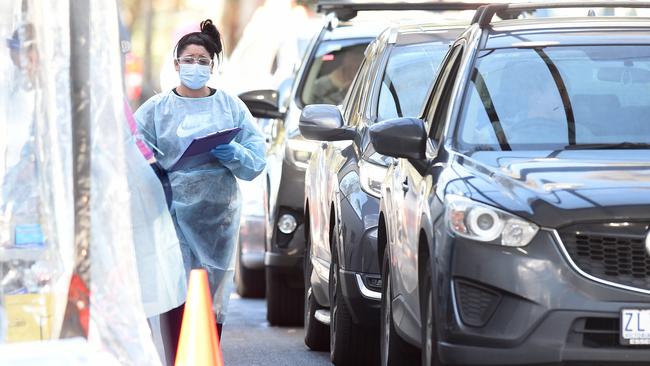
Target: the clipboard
pixel 198 152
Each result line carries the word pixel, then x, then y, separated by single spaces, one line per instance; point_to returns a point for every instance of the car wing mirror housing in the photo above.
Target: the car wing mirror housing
pixel 263 103
pixel 400 138
pixel 323 122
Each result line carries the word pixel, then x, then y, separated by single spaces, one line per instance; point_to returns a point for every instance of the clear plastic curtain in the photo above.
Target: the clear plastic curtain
pixel 36 202
pixel 117 317
pixel 37 227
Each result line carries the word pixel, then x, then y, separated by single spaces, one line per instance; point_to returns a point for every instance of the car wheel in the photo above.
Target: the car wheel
pixel 316 333
pixel 394 350
pixel 283 302
pixel 250 282
pixel 430 355
pixel 350 343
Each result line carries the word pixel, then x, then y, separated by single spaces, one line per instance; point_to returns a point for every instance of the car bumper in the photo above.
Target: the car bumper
pixel 291 193
pixel 251 240
pixel 544 345
pixel 359 223
pixel 527 306
pixel 282 260
pixel 288 267
pixel 290 201
pixel 363 303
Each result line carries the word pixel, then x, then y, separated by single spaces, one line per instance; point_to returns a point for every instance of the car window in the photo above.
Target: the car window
pixel 407 78
pixel 443 86
pixel 443 99
pixel 331 71
pixel 557 96
pixel 350 98
pixel 355 102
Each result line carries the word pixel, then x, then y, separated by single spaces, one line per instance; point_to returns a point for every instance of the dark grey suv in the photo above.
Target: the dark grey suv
pixel 328 67
pixel 342 279
pixel 515 223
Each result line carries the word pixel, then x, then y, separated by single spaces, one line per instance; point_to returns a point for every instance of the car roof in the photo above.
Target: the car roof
pixel 354 30
pixel 568 31
pixel 349 9
pixel 371 24
pixel 426 32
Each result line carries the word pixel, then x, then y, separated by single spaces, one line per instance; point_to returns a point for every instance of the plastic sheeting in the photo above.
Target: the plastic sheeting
pixel 37 230
pixel 118 320
pixel 36 212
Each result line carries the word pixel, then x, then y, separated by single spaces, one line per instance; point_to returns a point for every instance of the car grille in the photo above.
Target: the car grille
pixel 597 332
pixel 613 252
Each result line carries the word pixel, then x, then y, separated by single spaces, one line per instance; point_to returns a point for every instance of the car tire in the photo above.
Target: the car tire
pixel 350 343
pixel 430 355
pixel 394 350
pixel 250 282
pixel 316 333
pixel 284 304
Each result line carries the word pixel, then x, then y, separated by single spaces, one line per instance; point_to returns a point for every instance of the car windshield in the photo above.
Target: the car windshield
pixel 407 79
pixel 332 70
pixel 558 98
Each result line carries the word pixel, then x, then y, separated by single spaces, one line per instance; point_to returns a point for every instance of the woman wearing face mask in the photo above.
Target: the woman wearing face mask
pixel 205 199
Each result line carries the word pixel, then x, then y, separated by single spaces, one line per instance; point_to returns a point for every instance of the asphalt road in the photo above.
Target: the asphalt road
pixel 249 340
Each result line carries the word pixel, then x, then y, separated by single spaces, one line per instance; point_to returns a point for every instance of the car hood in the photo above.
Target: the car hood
pixel 555 189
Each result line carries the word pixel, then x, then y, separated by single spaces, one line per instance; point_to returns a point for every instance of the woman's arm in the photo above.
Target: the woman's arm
pixel 245 156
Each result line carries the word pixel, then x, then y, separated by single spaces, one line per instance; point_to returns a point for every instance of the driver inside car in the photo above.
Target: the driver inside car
pixel 332 87
pixel 527 103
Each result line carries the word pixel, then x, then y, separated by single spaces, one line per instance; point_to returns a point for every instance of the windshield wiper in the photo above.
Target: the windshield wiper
pixel 621 145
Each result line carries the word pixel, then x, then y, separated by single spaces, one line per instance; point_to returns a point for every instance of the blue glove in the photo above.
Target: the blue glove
pixel 225 153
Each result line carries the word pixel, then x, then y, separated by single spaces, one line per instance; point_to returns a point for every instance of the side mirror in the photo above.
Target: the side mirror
pixel 262 103
pixel 400 138
pixel 323 122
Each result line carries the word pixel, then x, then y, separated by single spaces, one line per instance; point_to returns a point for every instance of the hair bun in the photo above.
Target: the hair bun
pixel 206 25
pixel 209 37
pixel 208 28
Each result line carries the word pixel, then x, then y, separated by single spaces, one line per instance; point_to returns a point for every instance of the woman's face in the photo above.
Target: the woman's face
pixel 194 51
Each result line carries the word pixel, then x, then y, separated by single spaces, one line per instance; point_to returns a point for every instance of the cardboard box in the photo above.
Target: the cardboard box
pixel 29 317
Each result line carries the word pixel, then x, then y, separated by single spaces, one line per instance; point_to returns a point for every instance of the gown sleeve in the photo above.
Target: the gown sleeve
pixel 144 118
pixel 249 158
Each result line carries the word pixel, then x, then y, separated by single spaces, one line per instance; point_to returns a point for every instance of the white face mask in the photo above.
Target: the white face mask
pixel 194 76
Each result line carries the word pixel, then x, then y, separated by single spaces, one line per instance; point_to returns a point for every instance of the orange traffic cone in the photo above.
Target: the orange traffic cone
pixel 199 342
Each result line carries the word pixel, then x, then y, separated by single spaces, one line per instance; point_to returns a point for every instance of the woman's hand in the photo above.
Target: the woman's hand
pixel 225 152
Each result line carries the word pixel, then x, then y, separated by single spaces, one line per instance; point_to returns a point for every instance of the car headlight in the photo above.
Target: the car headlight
pixel 476 221
pixel 371 177
pixel 300 151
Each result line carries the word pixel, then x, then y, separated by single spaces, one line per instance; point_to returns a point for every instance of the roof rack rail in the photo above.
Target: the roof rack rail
pixel 348 9
pixel 484 14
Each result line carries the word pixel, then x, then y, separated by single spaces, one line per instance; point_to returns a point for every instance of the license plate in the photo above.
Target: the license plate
pixel 635 327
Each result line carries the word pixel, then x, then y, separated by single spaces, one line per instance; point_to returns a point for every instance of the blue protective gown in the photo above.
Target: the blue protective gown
pixel 206 199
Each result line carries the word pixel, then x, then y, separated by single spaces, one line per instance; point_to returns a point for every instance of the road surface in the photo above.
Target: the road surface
pixel 248 340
